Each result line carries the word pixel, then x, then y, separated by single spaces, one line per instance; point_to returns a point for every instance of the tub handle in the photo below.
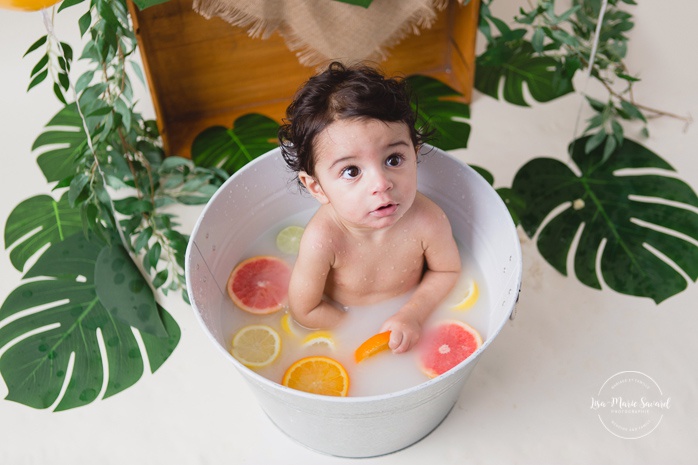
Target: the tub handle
pixel 514 309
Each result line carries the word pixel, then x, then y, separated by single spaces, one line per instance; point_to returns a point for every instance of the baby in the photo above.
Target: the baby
pixel 350 136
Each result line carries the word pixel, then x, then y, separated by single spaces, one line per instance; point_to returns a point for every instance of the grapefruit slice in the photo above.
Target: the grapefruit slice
pixel 318 375
pixel 372 345
pixel 446 345
pixel 259 285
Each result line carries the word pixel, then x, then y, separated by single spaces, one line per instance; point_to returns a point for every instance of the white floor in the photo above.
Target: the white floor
pixel 529 398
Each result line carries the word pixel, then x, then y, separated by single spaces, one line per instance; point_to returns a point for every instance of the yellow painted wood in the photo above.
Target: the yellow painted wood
pixel 203 72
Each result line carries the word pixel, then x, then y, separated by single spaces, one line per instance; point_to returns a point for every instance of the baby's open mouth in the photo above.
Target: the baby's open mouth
pixel 387 209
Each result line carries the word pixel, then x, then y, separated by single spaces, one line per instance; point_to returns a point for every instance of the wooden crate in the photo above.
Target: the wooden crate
pixel 205 72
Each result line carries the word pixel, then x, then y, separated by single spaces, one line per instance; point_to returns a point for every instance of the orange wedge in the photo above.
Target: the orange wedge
pixel 372 345
pixel 318 375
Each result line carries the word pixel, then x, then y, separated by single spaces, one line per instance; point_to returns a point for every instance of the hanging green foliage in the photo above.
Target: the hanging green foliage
pixel 108 241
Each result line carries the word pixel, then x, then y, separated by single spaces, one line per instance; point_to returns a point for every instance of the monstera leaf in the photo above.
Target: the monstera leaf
pixel 634 220
pixel 515 63
pixel 36 222
pixel 64 342
pixel 62 141
pixel 230 149
pixel 438 104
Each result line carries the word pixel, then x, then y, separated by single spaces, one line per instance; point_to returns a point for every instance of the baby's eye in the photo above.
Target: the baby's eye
pixel 350 172
pixel 394 160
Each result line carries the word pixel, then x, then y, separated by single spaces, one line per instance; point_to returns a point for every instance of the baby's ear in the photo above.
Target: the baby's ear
pixel 313 186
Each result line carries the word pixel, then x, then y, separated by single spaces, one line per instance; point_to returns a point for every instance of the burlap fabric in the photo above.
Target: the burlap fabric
pixel 319 31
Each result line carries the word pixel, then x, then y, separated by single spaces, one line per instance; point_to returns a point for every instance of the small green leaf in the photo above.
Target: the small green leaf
pixel 537 40
pixel 139 72
pixel 77 185
pixel 594 141
pixel 153 256
pixel 632 110
pixel 84 81
pixel 160 278
pixel 41 41
pixel 40 65
pixel 133 206
pixel 84 22
pixel 142 239
pixel 59 93
pixel 67 53
pixel 64 81
pixel 361 3
pixel 68 3
pixel 143 4
pixel 38 79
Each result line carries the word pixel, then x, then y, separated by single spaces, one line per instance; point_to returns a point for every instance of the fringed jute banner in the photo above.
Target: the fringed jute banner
pixel 319 31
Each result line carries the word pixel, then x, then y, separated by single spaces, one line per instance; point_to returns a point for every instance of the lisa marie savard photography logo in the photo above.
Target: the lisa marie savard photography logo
pixel 630 404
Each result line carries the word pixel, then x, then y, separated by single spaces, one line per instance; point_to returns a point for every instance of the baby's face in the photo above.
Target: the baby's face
pixel 366 170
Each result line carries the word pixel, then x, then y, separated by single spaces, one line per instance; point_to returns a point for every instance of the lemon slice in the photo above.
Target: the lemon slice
pixel 289 239
pixel 318 337
pixel 471 295
pixel 256 346
pixel 289 326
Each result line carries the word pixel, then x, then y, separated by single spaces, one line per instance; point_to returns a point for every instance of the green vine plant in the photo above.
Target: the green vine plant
pixel 107 243
pixel 645 247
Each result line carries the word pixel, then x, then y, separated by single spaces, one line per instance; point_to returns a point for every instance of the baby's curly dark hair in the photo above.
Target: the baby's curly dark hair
pixel 340 93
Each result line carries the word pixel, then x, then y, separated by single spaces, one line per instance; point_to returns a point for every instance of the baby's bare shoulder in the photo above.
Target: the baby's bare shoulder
pixel 321 232
pixel 427 213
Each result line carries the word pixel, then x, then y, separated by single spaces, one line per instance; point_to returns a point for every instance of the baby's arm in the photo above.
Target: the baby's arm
pixel 308 279
pixel 443 269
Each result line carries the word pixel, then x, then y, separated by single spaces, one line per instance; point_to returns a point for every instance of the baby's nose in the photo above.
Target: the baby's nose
pixel 381 182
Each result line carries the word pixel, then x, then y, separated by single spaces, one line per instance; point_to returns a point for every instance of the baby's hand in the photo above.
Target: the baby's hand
pixel 404 332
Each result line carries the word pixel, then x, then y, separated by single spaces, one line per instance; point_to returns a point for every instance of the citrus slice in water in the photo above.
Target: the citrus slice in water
pixel 446 345
pixel 289 326
pixel 470 295
pixel 372 345
pixel 289 239
pixel 319 338
pixel 256 346
pixel 260 284
pixel 318 375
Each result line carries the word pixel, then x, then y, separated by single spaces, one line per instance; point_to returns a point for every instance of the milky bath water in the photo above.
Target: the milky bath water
pixel 380 374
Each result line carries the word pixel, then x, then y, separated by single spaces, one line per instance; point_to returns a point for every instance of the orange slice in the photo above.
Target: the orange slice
pixel 318 375
pixel 372 345
pixel 260 284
